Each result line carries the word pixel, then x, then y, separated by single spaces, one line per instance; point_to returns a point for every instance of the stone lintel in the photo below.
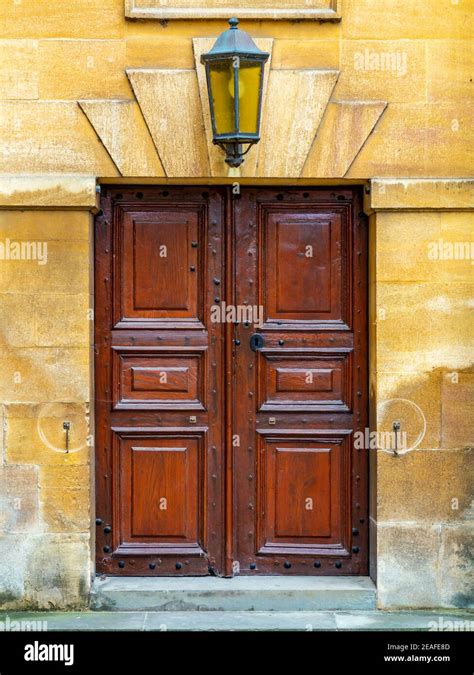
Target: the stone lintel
pixel 39 191
pixel 420 194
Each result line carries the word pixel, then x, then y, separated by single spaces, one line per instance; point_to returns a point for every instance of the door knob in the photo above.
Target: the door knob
pixel 256 342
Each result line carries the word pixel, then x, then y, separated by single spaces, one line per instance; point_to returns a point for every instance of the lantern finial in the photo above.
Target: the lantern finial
pixel 234 22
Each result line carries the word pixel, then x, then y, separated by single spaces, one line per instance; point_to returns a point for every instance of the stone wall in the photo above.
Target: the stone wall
pixel 415 56
pixel 383 94
pixel 45 379
pixel 422 347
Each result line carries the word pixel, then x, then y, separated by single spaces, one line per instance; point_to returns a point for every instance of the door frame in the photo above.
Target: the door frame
pixel 358 187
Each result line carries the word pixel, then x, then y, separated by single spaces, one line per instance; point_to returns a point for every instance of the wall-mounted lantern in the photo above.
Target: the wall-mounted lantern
pixel 234 72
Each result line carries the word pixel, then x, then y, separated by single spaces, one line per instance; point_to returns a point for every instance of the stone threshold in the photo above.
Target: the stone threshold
pixel 239 594
pixel 373 620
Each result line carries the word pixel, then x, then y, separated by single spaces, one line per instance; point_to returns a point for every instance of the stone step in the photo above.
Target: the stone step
pixel 262 594
pixel 370 620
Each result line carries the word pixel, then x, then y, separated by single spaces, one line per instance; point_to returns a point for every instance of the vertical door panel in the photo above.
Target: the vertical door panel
pixel 159 365
pixel 300 488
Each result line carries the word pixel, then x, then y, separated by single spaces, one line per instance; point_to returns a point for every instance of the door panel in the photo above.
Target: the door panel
pixel 300 493
pixel 300 253
pixel 158 489
pixel 218 454
pixel 159 271
pixel 309 381
pixel 159 377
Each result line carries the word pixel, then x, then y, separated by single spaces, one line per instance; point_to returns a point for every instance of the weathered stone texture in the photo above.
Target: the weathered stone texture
pixel 407 563
pixel 423 345
pixel 413 56
pixel 45 366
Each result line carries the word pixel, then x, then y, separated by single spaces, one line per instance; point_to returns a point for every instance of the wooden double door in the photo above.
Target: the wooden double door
pixel 231 376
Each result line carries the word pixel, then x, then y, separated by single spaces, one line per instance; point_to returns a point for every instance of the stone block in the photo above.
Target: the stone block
pixel 78 19
pixel 34 435
pixel 57 574
pixel 62 267
pixel 14 552
pixel 50 137
pixel 66 191
pixel 18 69
pixel 63 320
pixel 383 70
pixel 82 69
pixel 425 486
pixel 16 312
pixel 394 19
pixel 45 374
pixel 294 54
pixel 450 65
pixel 407 566
pixel 18 498
pixel 420 194
pixel 67 477
pixel 421 326
pixel 414 399
pixel 159 52
pixel 455 574
pixel 419 140
pixel 403 246
pixel 457 409
pixel 123 131
pixel 65 510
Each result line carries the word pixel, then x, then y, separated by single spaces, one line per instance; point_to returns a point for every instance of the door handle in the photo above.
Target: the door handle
pixel 256 342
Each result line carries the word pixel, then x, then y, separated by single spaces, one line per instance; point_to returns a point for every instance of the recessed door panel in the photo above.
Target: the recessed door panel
pixel 160 264
pixel 304 381
pixel 160 475
pixel 159 379
pixel 301 508
pixel 301 275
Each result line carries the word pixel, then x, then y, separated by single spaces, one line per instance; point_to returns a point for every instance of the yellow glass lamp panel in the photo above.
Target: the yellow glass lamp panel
pixel 221 76
pixel 249 92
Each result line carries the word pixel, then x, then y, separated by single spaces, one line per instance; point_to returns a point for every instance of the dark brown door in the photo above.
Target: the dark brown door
pixel 159 381
pixel 300 500
pixel 224 438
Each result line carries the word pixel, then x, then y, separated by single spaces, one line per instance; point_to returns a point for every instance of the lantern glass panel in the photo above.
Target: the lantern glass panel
pixel 250 74
pixel 222 91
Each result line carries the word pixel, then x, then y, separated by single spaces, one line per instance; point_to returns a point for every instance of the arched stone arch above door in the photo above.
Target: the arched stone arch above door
pixel 166 131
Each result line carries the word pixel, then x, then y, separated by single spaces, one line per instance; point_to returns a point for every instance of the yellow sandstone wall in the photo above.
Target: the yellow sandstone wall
pixel 408 121
pixel 45 379
pixel 54 53
pixel 422 336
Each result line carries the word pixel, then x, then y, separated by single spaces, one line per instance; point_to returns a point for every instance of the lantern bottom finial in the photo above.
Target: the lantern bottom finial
pixel 234 153
pixel 234 156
